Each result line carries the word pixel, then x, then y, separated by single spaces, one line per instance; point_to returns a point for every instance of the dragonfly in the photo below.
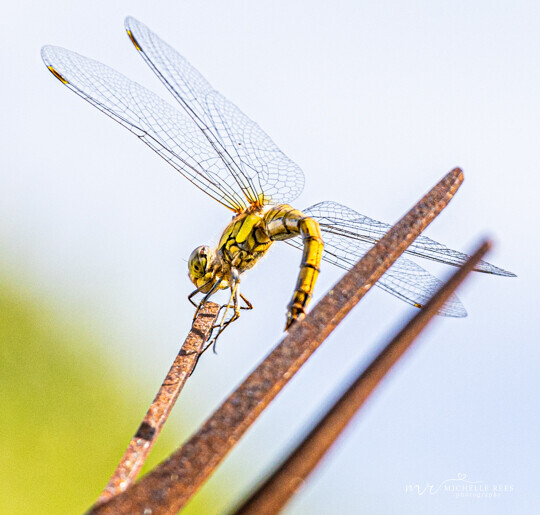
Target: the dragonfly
pixel 220 150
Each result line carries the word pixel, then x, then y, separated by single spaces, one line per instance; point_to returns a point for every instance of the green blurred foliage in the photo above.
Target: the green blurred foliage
pixel 66 415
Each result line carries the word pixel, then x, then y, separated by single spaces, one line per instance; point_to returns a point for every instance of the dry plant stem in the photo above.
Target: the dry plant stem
pixel 170 485
pixel 277 490
pixel 131 463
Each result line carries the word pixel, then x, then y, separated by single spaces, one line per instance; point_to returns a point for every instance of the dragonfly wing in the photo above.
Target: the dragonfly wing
pixel 168 131
pixel 263 172
pixel 350 224
pixel 405 279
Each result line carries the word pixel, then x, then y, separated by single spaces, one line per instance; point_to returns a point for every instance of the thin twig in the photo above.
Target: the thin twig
pixel 133 460
pixel 172 483
pixel 278 489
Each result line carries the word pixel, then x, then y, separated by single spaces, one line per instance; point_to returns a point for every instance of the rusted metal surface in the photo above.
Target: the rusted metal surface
pixel 277 490
pixel 131 463
pixel 170 485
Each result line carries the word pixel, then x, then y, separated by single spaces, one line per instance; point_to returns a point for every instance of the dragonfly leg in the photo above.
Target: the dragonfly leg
pixel 233 302
pixel 194 292
pixel 248 305
pixel 213 290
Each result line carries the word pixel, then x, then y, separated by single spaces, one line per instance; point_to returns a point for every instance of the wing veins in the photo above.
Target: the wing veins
pixel 210 135
pixel 158 148
pixel 267 176
pixel 96 80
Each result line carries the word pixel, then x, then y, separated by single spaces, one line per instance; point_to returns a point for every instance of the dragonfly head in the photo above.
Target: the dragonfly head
pixel 201 267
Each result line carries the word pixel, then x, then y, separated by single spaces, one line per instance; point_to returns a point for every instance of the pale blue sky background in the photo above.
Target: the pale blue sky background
pixel 376 101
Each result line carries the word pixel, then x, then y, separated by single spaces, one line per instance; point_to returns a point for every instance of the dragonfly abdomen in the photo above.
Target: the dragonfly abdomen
pixel 283 222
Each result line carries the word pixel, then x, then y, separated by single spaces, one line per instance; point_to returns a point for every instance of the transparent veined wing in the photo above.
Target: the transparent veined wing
pixel 348 235
pixel 165 129
pixel 265 174
pixel 405 279
pixel 346 222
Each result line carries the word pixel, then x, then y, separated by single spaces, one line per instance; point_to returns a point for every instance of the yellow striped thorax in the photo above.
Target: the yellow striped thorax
pixel 244 240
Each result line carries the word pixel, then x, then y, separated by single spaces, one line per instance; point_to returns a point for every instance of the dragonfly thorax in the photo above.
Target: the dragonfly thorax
pixel 244 241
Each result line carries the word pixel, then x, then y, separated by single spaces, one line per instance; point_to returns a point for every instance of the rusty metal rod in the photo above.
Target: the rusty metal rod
pixel 171 484
pixel 278 489
pixel 133 460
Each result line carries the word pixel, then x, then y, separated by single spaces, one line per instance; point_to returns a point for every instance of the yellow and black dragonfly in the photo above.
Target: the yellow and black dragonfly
pixel 229 157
